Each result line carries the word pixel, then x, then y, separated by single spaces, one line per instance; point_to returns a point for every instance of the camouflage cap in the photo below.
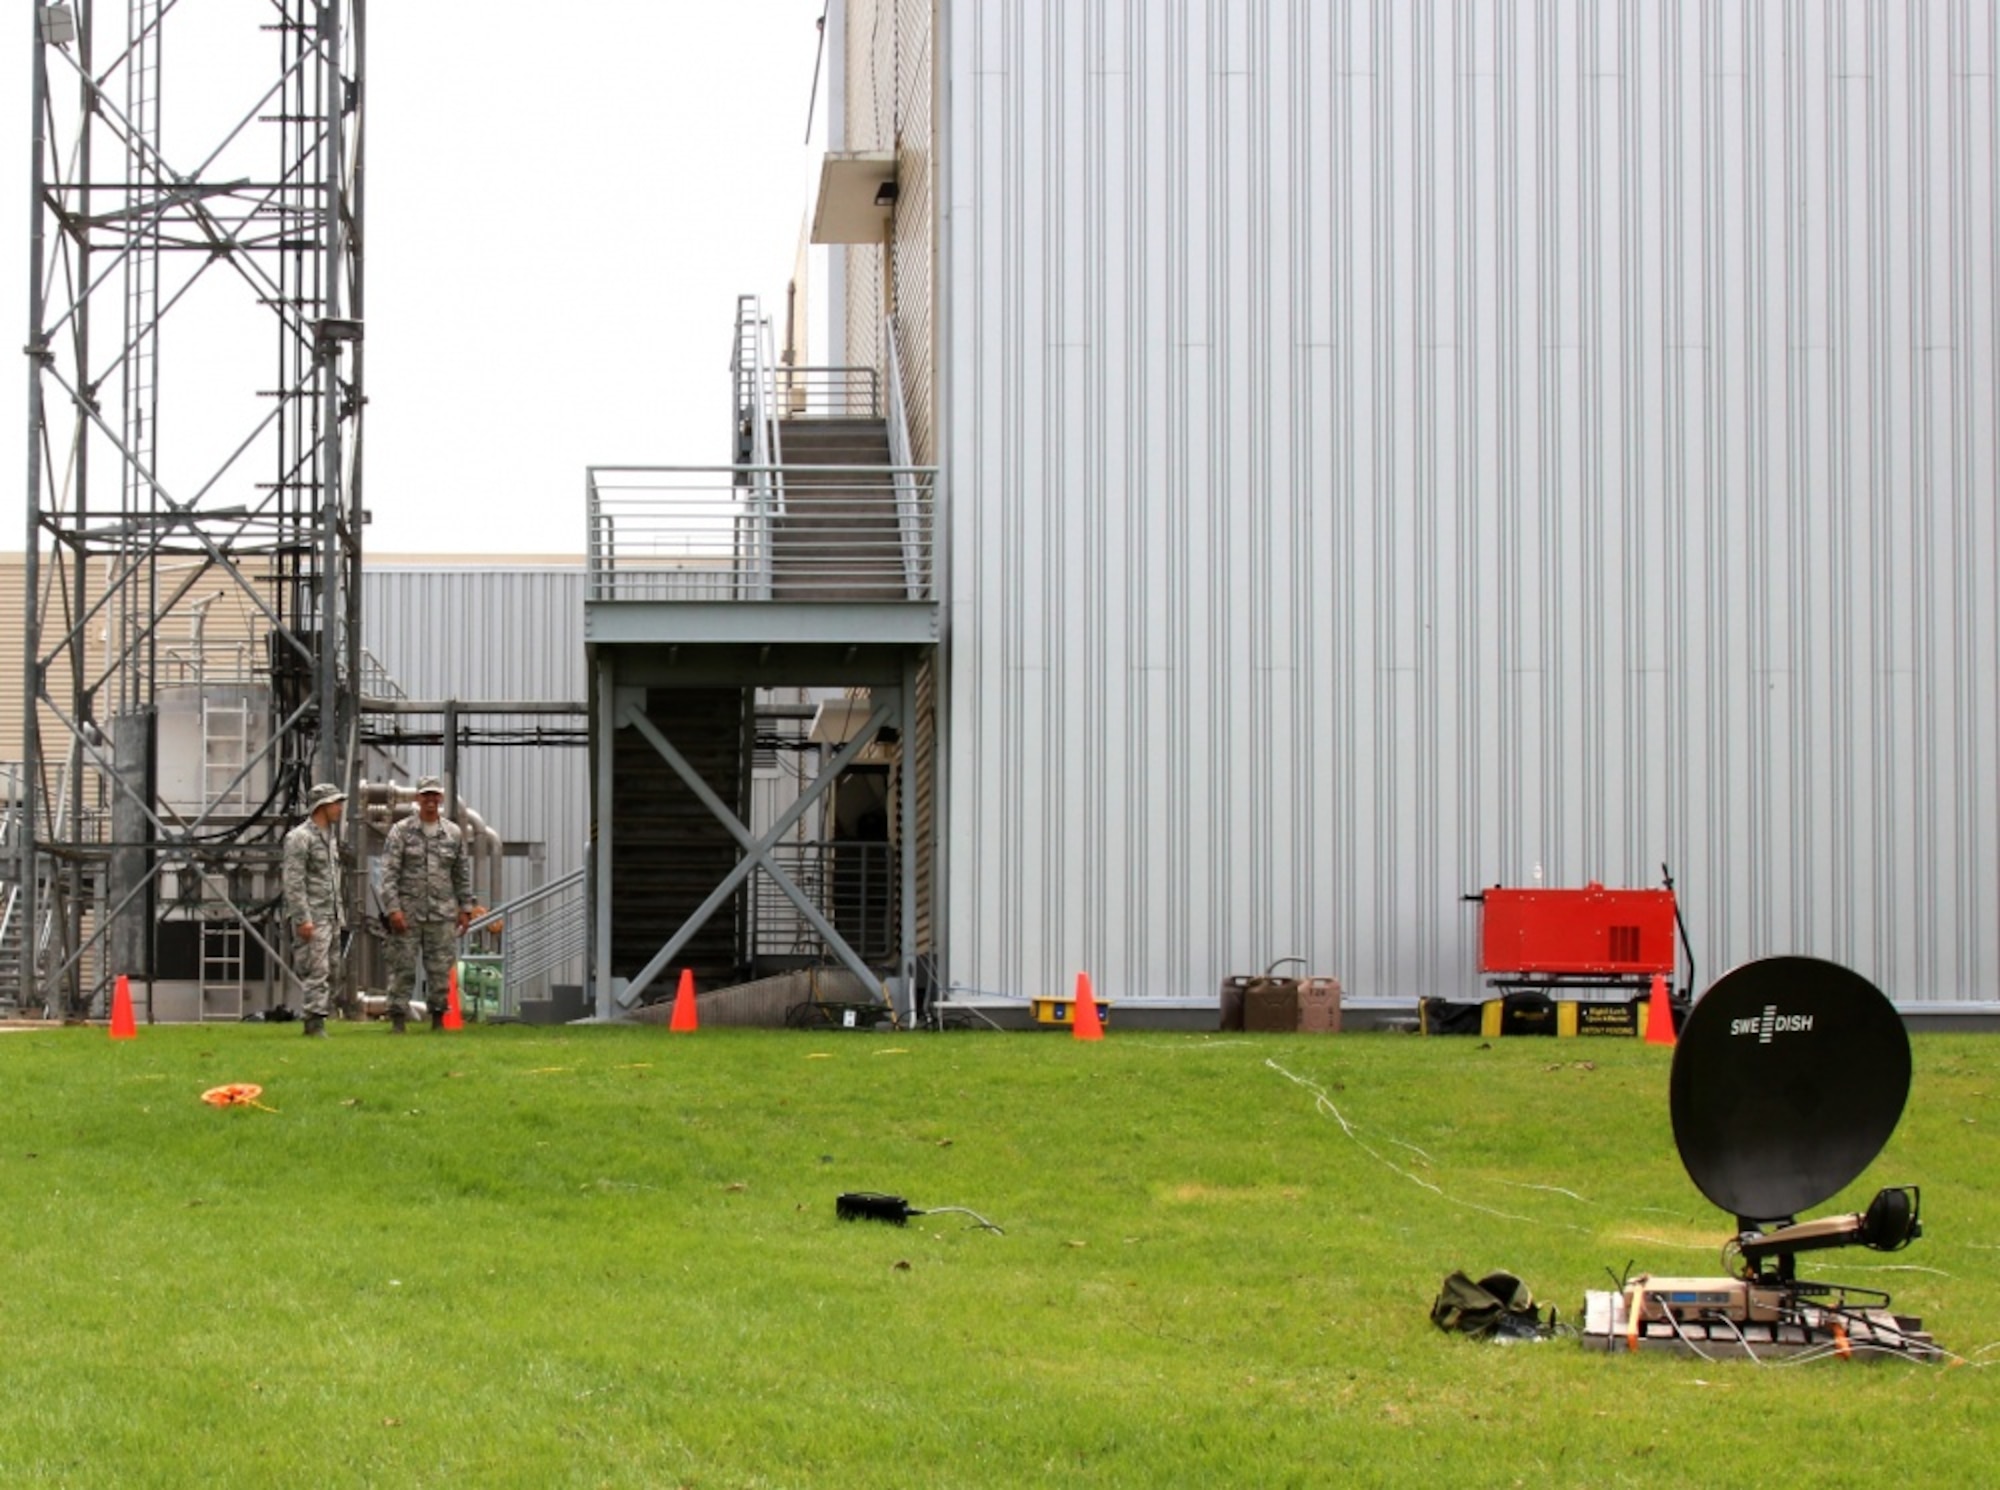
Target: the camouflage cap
pixel 430 784
pixel 322 794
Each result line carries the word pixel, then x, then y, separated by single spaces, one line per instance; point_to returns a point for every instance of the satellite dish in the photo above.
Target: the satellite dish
pixel 1789 1075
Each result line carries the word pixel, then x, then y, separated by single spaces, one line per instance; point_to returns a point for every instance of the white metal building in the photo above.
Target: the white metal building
pixel 1389 448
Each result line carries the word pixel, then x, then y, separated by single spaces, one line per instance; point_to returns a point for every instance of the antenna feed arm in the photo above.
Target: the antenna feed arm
pixel 1891 1222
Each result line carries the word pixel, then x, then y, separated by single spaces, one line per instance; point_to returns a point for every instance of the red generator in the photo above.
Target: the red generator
pixel 1555 941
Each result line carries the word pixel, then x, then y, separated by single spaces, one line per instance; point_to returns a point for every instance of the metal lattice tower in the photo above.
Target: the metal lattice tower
pixel 177 467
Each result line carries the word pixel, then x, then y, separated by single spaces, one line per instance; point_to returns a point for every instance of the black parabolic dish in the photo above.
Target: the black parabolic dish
pixel 1789 1076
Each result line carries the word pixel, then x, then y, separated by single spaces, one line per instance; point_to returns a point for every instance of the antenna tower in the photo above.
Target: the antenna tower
pixel 194 478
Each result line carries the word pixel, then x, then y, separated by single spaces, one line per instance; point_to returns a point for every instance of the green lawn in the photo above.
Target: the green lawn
pixel 605 1256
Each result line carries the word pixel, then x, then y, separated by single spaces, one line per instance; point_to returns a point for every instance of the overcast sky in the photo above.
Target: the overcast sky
pixel 563 203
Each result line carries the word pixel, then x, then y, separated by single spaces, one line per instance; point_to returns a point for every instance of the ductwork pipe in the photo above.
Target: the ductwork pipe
pixel 385 801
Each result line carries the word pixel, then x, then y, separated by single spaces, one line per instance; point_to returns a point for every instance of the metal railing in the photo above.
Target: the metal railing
pixel 541 933
pixel 13 789
pixel 840 533
pixel 12 944
pixel 854 885
pixel 767 390
pixel 908 505
pixel 829 393
pixel 44 949
pixel 376 679
pixel 753 383
pixel 220 661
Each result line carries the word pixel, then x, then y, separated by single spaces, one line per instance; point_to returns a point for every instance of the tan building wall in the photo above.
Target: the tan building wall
pixel 890 67
pixel 889 77
pixel 211 631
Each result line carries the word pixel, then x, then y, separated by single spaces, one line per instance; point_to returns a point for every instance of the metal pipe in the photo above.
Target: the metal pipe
pixel 451 755
pixel 468 706
pixel 385 801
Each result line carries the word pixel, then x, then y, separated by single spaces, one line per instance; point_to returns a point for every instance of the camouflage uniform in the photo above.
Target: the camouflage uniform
pixel 312 893
pixel 427 875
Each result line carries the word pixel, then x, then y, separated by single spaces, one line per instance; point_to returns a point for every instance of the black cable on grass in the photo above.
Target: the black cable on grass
pixel 870 1205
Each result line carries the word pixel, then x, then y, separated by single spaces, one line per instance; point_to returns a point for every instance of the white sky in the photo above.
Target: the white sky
pixel 562 204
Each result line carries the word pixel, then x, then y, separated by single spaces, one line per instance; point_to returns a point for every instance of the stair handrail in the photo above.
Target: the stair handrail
pixel 39 941
pixel 755 379
pixel 13 781
pixel 10 861
pixel 539 945
pixel 909 524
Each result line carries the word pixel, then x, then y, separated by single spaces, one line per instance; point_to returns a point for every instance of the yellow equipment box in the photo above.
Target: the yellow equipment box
pixel 1062 1011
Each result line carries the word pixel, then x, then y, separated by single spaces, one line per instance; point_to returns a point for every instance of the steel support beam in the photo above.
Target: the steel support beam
pixel 601 829
pixel 756 851
pixel 906 772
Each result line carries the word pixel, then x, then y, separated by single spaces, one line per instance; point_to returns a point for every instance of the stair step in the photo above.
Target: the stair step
pixel 821 440
pixel 793 427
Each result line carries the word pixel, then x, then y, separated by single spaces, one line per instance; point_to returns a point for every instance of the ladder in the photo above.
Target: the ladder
pixel 222 946
pixel 225 750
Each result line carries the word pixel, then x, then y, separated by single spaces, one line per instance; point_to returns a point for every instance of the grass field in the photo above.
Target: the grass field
pixel 604 1256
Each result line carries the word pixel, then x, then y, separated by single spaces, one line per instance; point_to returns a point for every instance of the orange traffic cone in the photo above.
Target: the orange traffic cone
pixel 123 1027
pixel 685 1020
pixel 1659 1015
pixel 454 1018
pixel 1084 1023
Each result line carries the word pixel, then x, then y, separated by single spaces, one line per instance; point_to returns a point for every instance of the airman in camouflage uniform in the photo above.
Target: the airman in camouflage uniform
pixel 427 901
pixel 313 902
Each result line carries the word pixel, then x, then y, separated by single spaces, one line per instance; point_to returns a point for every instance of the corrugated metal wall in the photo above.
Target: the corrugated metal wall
pixel 466 630
pixel 1394 446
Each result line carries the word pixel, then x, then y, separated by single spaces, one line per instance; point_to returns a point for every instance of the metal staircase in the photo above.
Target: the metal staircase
pixel 16 936
pixel 542 934
pixel 11 943
pixel 809 561
pixel 835 536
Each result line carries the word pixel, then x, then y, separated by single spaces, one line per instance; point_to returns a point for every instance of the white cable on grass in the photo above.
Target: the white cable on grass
pixel 1546 1189
pixel 1327 1105
pixel 959 1210
pixel 1892 1267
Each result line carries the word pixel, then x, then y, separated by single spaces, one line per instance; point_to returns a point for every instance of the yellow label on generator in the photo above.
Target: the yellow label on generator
pixel 1556 1017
